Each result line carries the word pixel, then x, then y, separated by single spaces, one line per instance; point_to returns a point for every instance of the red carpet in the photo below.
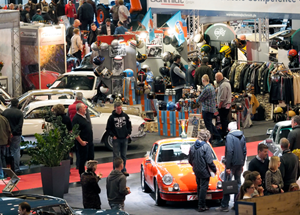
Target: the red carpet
pixel 31 181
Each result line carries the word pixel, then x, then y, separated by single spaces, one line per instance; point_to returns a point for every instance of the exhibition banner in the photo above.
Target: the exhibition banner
pixel 176 23
pixel 148 23
pixel 229 8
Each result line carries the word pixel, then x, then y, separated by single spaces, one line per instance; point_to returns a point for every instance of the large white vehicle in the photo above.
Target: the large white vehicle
pixel 34 120
pixel 85 82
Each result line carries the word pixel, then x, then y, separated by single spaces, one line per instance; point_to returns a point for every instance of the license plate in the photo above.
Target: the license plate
pixel 209 196
pixel 192 197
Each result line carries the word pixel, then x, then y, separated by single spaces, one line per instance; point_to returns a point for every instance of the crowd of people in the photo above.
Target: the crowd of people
pixel 118 127
pixel 265 175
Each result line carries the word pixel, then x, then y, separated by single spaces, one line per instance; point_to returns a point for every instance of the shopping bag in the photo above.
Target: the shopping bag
pixel 230 187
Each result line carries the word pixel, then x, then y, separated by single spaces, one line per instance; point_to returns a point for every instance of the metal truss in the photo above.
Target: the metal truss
pixel 193 28
pixel 16 61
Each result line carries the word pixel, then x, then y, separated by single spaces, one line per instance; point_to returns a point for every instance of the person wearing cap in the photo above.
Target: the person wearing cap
pixel 90 187
pixel 92 37
pixel 120 29
pixel 108 28
pixel 201 159
pixel 25 15
pixel 70 11
pixel 115 13
pixel 37 17
pixel 235 156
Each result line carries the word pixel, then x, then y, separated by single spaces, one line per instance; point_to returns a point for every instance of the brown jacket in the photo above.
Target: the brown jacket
pixel 4 131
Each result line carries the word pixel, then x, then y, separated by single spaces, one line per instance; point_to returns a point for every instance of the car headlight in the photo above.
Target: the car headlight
pixel 219 184
pixel 222 176
pixel 141 127
pixel 176 187
pixel 167 179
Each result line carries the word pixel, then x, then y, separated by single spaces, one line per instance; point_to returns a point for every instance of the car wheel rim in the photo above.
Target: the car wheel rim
pixel 100 16
pixel 110 141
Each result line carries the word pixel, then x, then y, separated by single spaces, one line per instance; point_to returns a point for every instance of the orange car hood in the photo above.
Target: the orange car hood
pixel 183 174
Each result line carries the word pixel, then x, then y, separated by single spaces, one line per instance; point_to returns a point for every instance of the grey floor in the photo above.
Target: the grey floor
pixel 138 203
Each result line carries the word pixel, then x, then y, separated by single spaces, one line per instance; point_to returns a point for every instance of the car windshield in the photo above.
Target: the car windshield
pixel 176 152
pixel 87 62
pixel 74 82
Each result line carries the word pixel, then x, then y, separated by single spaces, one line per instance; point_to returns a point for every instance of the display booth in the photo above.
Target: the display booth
pixel 43 55
pixel 10 50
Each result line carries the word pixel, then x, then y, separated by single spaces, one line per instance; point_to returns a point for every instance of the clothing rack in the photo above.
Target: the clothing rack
pixel 257 61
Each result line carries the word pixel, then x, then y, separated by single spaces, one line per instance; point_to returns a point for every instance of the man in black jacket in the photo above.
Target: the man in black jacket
pixel 84 142
pixel 261 162
pixel 177 76
pixel 86 15
pixel 119 128
pixel 92 37
pixel 294 135
pixel 116 186
pixel 15 119
pixel 69 32
pixel 289 166
pixel 25 15
pixel 201 159
pixel 108 28
pixel 202 70
pixel 60 8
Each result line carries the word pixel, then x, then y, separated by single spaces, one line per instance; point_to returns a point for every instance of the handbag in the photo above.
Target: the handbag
pixel 230 187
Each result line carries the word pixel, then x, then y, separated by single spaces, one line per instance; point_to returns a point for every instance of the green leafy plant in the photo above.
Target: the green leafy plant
pixel 52 146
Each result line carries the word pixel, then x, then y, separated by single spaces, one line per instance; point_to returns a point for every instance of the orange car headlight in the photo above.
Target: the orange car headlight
pixel 167 179
pixel 219 184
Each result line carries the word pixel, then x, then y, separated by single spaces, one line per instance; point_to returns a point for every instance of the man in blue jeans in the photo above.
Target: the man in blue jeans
pixel 235 155
pixel 15 119
pixel 119 128
pixel 208 99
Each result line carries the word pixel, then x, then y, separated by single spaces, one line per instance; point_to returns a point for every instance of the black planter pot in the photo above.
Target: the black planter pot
pixel 53 181
pixel 67 165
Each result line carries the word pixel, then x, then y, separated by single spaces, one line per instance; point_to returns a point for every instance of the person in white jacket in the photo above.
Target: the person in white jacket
pixel 76 44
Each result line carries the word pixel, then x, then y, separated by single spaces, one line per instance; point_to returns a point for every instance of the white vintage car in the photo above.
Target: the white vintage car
pixel 33 121
pixel 85 82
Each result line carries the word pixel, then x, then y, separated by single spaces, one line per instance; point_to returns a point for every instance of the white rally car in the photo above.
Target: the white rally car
pixel 34 112
pixel 85 82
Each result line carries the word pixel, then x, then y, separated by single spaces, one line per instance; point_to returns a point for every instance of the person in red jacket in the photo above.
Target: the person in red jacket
pixel 70 11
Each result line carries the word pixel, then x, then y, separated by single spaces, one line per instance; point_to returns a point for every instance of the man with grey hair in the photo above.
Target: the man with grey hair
pixel 235 155
pixel 294 135
pixel 84 141
pixel 289 167
pixel 119 128
pixel 201 159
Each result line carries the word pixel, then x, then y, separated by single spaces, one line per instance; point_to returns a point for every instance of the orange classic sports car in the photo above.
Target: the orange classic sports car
pixel 167 172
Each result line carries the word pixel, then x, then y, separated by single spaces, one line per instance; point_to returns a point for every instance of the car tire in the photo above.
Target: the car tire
pixel 144 185
pixel 158 200
pixel 108 141
pixel 102 14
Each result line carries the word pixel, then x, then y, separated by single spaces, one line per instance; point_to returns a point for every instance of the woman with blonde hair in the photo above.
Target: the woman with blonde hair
pixel 293 187
pixel 274 181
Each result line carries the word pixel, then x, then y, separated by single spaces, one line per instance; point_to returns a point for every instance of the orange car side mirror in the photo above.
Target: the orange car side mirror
pixel 148 161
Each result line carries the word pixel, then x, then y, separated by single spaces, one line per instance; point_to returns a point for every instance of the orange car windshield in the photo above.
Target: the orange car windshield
pixel 175 152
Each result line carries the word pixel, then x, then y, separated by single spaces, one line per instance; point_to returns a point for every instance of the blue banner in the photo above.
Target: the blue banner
pixel 176 23
pixel 148 23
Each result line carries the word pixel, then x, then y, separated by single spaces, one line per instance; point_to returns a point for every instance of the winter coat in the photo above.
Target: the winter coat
pixel 119 125
pixel 4 131
pixel 86 13
pixel 289 168
pixel 224 93
pixel 116 187
pixel 25 16
pixel 69 35
pixel 38 18
pixel 15 118
pixel 202 70
pixel 200 157
pixel 46 16
pixel 191 74
pixel 90 190
pixel 177 75
pixel 93 5
pixel 70 10
pixel 235 149
pixel 52 14
pixel 294 138
pixel 60 8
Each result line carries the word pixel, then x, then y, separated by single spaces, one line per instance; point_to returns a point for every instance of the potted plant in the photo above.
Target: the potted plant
pixel 50 149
